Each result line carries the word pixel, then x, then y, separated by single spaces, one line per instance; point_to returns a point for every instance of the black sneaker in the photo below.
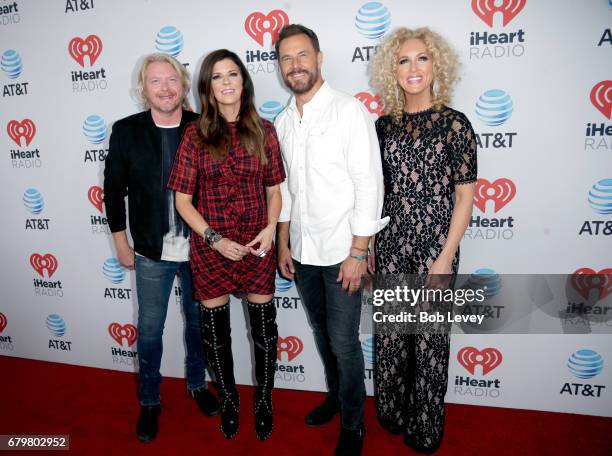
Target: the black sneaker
pixel 323 413
pixel 147 425
pixel 206 401
pixel 350 442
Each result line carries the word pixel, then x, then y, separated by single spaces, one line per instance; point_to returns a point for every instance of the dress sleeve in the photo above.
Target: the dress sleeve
pixel 463 144
pixel 274 171
pixel 380 131
pixel 184 173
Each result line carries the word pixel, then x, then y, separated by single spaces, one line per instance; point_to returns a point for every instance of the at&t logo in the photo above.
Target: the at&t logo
pixel 270 109
pixel 584 364
pixel 99 223
pixel 48 264
pixel 488 284
pixel 6 342
pixel 497 194
pixel 487 44
pixel 85 51
pixel 74 6
pixel 599 134
pixel 372 103
pixel 474 360
pixel 124 336
pixel 22 133
pixel 264 29
pixel 169 40
pixel 600 200
pixel 57 326
pixel 34 203
pixel 283 286
pixel 95 131
pixel 493 108
pixel 115 273
pixel 291 346
pixel 372 21
pixel 587 295
pixel 12 66
pixel 9 14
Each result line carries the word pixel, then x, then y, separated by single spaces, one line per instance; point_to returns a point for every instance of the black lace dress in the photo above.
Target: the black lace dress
pixel 424 156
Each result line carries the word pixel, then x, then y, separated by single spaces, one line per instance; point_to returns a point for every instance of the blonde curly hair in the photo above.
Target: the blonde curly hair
pixel 383 69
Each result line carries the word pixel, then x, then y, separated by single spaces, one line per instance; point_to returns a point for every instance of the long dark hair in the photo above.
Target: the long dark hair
pixel 213 129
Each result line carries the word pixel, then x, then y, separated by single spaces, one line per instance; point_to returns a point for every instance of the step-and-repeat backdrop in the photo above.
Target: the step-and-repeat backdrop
pixel 544 204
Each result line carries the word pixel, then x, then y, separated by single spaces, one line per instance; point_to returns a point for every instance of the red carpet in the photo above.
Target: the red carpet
pixel 98 409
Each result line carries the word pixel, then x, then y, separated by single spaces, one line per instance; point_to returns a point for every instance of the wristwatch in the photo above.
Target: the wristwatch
pixel 211 236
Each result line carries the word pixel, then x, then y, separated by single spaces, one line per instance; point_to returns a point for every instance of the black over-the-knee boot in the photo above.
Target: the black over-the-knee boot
pixel 265 336
pixel 217 339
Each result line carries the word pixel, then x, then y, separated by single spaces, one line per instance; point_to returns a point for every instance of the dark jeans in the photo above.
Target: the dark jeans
pixel 153 284
pixel 334 317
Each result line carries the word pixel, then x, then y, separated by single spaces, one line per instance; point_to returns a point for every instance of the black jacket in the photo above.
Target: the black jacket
pixel 133 167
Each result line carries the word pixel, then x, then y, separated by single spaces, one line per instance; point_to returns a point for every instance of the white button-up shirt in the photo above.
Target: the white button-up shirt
pixel 334 187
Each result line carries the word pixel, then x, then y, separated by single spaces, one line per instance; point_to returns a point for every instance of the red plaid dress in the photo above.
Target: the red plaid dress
pixel 231 198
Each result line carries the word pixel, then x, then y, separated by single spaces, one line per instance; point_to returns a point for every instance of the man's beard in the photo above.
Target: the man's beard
pixel 300 87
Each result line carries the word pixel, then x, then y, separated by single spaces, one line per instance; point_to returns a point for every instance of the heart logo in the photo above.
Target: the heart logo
pixel 95 195
pixel 489 358
pixel 586 279
pixel 372 103
pixel 42 262
pixel 24 129
pixel 3 322
pixel 501 191
pixel 79 48
pixel 486 9
pixel 601 97
pixel 258 24
pixel 291 345
pixel 127 332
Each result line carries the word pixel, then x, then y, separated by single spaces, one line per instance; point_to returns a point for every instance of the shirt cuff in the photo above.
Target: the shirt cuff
pixel 360 227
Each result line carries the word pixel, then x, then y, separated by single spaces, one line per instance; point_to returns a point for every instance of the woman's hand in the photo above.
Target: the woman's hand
pixel 439 273
pixel 264 239
pixel 230 249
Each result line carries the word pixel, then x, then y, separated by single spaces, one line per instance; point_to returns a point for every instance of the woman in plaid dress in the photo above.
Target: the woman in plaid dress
pixel 226 176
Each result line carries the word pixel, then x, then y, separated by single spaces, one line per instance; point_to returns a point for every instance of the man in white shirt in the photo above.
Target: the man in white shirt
pixel 332 200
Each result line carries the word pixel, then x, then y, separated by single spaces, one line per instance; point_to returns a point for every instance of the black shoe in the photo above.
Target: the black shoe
pixel 265 337
pixel 350 442
pixel 230 419
pixel 217 339
pixel 390 426
pixel 324 413
pixel 206 401
pixel 410 442
pixel 147 426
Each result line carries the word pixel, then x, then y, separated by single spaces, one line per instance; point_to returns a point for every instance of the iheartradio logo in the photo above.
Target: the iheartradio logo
pixel 501 191
pixel 18 130
pixel 44 262
pixel 3 322
pixel 95 195
pixel 486 9
pixel 258 24
pixel 372 103
pixel 91 47
pixel 601 97
pixel 586 279
pixel 127 332
pixel 488 358
pixel 291 345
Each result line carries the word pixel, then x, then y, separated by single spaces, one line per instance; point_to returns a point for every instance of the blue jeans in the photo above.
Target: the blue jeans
pixel 153 285
pixel 334 317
